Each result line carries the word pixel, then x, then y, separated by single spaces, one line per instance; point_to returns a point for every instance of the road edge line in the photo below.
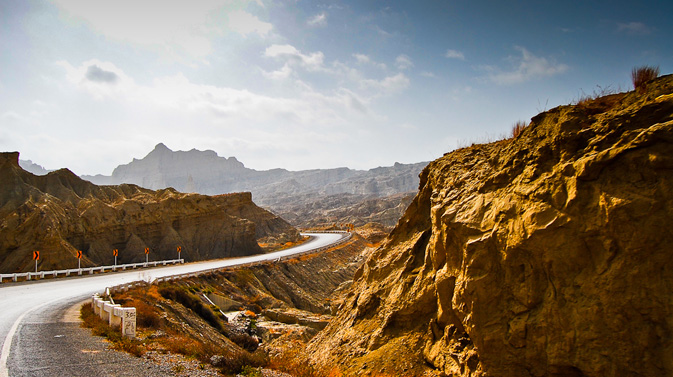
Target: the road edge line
pixel 7 344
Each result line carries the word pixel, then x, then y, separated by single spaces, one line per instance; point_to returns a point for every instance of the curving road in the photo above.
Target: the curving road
pixel 19 301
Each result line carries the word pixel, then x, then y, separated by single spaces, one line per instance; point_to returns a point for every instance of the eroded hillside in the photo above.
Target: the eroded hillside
pixel 543 255
pixel 59 214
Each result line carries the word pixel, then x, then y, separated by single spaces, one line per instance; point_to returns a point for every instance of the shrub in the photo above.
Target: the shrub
pixel 147 316
pixel 239 361
pixel 641 75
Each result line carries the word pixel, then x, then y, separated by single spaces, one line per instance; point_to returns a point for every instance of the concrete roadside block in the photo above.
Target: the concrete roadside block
pixel 114 319
pixel 99 306
pixel 115 315
pixel 128 322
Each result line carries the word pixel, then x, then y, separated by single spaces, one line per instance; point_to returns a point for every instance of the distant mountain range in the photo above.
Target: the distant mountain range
pixel 283 191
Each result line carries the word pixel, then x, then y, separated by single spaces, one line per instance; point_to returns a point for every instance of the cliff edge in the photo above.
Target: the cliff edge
pixel 547 254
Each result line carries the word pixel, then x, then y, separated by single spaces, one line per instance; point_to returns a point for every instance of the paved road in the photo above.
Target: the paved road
pixel 20 302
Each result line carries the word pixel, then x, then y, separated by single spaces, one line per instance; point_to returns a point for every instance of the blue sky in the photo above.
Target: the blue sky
pixel 90 85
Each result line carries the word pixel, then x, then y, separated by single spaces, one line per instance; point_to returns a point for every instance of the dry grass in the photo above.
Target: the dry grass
pixel 517 128
pixel 640 76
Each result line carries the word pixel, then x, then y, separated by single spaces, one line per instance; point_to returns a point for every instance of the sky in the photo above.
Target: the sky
pixel 90 85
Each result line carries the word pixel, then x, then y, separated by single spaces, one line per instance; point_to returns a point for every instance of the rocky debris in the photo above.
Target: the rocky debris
pixel 300 317
pixel 541 255
pixel 59 214
pixel 374 233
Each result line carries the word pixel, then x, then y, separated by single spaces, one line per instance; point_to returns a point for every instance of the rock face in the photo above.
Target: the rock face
pixel 59 213
pixel 547 254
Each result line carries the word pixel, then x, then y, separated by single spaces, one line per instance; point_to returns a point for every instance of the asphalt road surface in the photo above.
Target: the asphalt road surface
pixel 26 305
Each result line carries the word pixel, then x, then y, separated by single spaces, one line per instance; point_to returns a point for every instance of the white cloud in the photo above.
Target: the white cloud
pixel 319 20
pixel 362 58
pixel 365 59
pixel 525 68
pixel 245 23
pixel 311 62
pixel 403 62
pixel 454 54
pixel 174 27
pixel 176 94
pixel 636 28
pixel 389 85
pixel 279 74
pixel 100 79
pixel 428 74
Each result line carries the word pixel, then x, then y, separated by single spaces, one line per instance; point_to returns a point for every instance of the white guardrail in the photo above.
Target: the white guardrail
pixel 87 270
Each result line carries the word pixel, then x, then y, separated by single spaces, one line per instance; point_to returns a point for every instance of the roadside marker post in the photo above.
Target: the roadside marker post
pixel 179 251
pixel 79 259
pixel 36 257
pixel 115 252
pixel 147 256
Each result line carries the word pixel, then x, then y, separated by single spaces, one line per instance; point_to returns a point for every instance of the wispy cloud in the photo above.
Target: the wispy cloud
pixel 403 61
pixel 634 28
pixel 279 74
pixel 454 54
pixel 245 23
pixel 184 31
pixel 428 74
pixel 311 62
pixel 96 73
pixel 389 85
pixel 365 59
pixel 524 68
pixel 319 20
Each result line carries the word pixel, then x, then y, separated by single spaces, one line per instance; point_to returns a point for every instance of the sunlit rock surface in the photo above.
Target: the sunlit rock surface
pixel 547 254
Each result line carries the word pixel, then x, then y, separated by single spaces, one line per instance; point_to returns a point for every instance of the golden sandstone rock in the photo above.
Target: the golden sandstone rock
pixel 548 254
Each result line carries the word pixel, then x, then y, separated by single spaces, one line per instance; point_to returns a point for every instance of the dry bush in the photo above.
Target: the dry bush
pixel 236 362
pixel 189 347
pixel 517 128
pixel 147 316
pixel 640 76
pixel 292 360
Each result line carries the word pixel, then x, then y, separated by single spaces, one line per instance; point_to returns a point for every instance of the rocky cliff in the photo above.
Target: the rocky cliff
pixel 542 255
pixel 59 213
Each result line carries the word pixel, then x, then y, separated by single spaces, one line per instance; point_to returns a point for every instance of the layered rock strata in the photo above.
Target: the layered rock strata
pixel 59 214
pixel 542 255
